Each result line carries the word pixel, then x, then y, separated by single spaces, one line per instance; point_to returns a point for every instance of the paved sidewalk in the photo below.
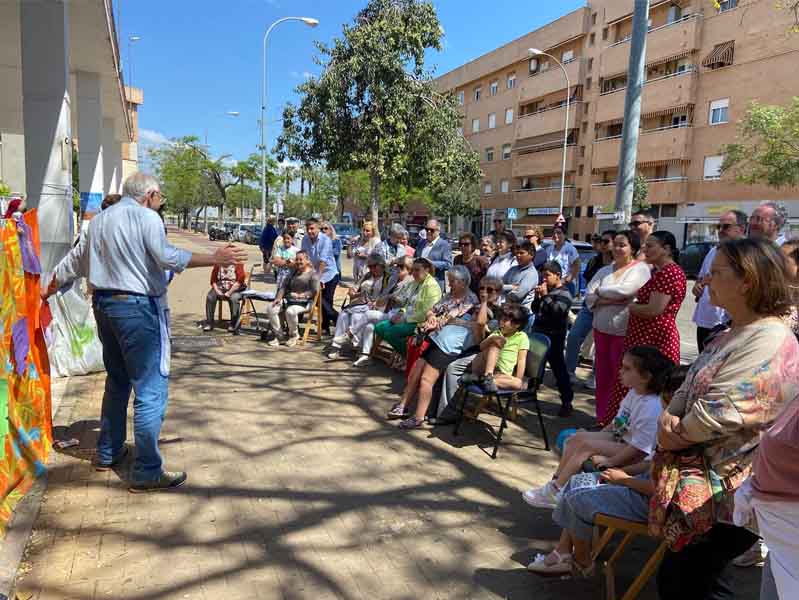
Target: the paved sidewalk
pixel 298 488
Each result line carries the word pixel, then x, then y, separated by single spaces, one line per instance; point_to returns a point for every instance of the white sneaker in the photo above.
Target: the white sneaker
pixel 340 340
pixel 273 343
pixel 553 563
pixel 292 341
pixel 546 496
pixel 333 354
pixel 362 361
pixel 754 557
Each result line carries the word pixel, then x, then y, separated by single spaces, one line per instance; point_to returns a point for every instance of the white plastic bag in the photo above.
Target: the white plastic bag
pixel 75 348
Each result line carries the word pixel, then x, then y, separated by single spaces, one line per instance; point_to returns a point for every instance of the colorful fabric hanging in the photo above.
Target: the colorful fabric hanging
pixel 25 409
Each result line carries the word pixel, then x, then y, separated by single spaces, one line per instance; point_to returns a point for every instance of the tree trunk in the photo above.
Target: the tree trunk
pixel 374 193
pixel 219 218
pixel 302 185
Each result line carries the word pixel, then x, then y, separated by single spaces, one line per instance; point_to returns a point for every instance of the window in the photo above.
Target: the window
pixel 489 154
pixel 668 210
pixel 492 120
pixel 460 131
pixel 582 151
pixel 725 5
pixel 585 127
pixel 587 237
pixel 580 171
pixel 588 83
pixel 675 13
pixel 592 39
pixel 567 56
pixel 477 92
pixel 679 121
pixel 578 212
pixel 488 188
pixel 533 66
pixel 461 98
pixel 719 111
pixel 475 125
pixel 593 19
pixel 508 116
pixel 605 33
pixel 493 88
pixel 713 166
pixel 504 186
pixel 590 212
pixel 722 55
pixel 505 151
pixel 585 107
pixel 590 64
pixel 526 185
pixel 511 81
pixel 576 237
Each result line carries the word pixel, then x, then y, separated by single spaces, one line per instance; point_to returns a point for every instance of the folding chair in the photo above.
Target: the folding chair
pixel 632 530
pixel 249 297
pixel 314 312
pixel 507 400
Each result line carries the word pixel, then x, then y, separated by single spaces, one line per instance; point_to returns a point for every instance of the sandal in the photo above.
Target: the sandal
pixel 411 423
pixel 553 563
pixel 582 572
pixel 397 412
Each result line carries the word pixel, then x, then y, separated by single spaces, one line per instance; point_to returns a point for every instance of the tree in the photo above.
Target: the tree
pixel 179 167
pixel 640 193
pixel 374 107
pixel 4 189
pixel 767 146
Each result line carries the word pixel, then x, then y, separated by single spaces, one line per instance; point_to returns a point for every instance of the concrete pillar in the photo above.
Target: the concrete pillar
pixel 44 28
pixel 111 158
pixel 90 142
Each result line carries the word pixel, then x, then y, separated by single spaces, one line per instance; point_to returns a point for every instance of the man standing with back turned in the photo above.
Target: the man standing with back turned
pixel 124 255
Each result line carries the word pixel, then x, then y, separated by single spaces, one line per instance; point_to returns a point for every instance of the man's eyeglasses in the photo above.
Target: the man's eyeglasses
pixel 465 243
pixel 637 223
pixel 430 229
pixel 725 226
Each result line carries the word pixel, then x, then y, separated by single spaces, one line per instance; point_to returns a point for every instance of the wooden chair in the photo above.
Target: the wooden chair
pixel 508 400
pixel 631 530
pixel 247 314
pixel 313 318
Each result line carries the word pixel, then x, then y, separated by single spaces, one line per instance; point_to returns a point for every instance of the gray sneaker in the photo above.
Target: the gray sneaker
pixel 166 481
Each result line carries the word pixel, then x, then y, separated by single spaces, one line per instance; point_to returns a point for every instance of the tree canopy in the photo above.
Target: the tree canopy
pixel 374 107
pixel 767 146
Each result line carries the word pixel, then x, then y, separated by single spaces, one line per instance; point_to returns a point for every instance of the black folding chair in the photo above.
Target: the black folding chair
pixel 508 400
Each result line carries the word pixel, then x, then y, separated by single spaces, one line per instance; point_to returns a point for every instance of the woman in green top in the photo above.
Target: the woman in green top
pixel 402 324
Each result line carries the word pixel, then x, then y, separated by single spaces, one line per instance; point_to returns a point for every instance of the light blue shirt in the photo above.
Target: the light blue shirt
pixel 565 257
pixel 124 248
pixel 321 251
pixel 454 339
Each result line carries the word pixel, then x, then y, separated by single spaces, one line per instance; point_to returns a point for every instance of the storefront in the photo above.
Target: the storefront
pixel 699 220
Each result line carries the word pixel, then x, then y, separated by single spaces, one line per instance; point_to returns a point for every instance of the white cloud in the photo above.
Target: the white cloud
pixel 151 137
pixel 307 74
pixel 298 75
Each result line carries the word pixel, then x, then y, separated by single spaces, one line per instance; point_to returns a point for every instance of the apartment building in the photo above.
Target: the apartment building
pixel 703 68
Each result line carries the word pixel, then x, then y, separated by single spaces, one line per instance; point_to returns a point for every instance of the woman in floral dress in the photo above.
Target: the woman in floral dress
pixel 653 312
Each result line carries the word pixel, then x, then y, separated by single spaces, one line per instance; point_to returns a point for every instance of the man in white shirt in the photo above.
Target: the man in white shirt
pixel 732 225
pixel 767 221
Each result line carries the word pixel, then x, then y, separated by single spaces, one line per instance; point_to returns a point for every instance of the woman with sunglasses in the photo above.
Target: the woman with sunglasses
pixel 477 265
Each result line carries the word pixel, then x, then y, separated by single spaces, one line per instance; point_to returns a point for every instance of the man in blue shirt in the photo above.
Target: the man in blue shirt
pixel 267 241
pixel 437 250
pixel 320 251
pixel 124 255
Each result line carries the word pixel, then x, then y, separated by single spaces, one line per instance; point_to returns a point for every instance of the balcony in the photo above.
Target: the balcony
pixel 542 197
pixel 656 145
pixel 671 190
pixel 544 162
pixel 551 80
pixel 547 121
pixel 671 40
pixel 658 94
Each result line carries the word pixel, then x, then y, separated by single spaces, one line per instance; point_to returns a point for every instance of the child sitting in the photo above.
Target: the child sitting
pixel 621 493
pixel 503 354
pixel 552 305
pixel 629 439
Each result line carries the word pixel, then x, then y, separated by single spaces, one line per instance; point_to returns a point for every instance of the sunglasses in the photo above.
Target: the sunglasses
pixel 488 289
pixel 325 228
pixel 531 236
pixel 605 241
pixel 465 243
pixel 637 223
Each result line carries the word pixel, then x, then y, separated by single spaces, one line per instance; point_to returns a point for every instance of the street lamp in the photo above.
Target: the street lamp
pixel 310 22
pixel 537 52
pixel 132 39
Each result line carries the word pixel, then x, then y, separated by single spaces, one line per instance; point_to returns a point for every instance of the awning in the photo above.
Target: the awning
pixel 722 54
pixel 655 113
pixel 648 163
pixel 655 62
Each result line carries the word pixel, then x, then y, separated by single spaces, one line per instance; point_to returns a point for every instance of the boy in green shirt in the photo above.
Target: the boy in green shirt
pixel 503 354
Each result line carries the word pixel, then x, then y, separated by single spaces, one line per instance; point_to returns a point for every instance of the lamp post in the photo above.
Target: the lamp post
pixel 310 22
pixel 537 52
pixel 132 39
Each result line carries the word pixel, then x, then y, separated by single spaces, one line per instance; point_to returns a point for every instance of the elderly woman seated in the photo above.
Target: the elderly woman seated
pixel 227 283
pixel 396 329
pixel 451 325
pixel 401 288
pixel 373 286
pixel 294 297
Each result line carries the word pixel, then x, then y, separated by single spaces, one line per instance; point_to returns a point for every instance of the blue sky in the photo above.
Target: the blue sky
pixel 198 59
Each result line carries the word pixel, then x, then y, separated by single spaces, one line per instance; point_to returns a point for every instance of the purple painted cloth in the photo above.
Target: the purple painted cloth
pixel 19 334
pixel 30 260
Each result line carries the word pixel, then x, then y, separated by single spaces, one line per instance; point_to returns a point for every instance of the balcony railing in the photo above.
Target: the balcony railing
pixel 654 145
pixel 682 19
pixel 547 121
pixel 661 93
pixel 544 161
pixel 543 83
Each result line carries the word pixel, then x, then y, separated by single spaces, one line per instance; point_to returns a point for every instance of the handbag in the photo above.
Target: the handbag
pixel 413 351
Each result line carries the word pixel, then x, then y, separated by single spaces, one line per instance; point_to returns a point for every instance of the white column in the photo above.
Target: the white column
pixel 112 157
pixel 90 142
pixel 46 115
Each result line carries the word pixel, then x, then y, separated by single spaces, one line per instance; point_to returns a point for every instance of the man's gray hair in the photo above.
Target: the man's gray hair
pixel 741 218
pixel 461 273
pixel 138 185
pixel 397 230
pixel 780 212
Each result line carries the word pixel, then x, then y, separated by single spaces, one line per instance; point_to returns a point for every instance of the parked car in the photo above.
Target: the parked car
pixel 218 232
pixel 244 231
pixel 252 234
pixel 345 231
pixel 692 256
pixel 586 252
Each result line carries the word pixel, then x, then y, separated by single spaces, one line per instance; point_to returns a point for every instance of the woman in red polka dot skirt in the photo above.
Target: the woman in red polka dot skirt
pixel 653 313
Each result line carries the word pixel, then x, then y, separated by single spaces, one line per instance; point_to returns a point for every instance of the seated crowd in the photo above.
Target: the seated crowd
pixel 692 451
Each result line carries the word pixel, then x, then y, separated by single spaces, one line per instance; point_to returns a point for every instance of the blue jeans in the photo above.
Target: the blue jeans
pixel 577 334
pixel 131 336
